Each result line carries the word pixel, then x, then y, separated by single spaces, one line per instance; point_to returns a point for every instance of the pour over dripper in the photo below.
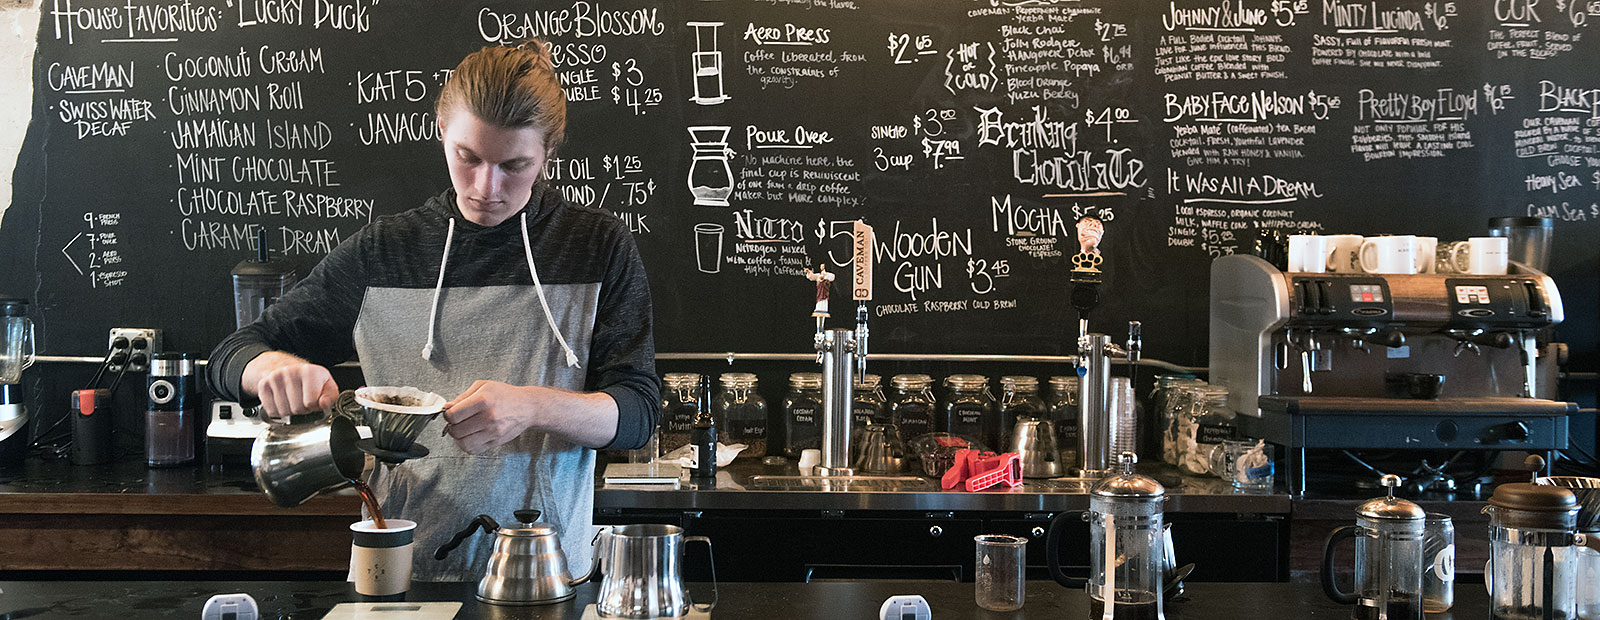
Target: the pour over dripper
pixel 396 416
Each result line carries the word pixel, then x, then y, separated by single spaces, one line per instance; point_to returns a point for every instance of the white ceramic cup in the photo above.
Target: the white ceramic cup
pixel 1393 254
pixel 1426 247
pixel 380 559
pixel 1488 256
pixel 1344 253
pixel 1308 253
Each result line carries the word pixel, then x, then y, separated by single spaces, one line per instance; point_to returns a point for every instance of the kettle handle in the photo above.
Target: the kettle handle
pixel 1328 586
pixel 1052 553
pixel 485 521
pixel 712 561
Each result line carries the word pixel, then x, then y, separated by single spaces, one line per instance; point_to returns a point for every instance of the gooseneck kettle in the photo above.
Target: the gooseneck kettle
pixel 526 567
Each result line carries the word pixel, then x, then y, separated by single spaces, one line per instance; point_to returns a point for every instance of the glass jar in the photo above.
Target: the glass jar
pixel 970 410
pixel 1161 423
pixel 1203 426
pixel 868 406
pixel 680 399
pixel 802 414
pixel 911 411
pixel 1063 407
pixel 742 414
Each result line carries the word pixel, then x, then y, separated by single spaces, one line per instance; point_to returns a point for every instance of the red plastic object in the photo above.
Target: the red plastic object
pixel 990 470
pixel 981 471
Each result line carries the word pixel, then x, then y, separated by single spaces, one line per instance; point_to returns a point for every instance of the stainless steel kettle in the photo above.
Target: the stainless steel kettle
pixel 526 567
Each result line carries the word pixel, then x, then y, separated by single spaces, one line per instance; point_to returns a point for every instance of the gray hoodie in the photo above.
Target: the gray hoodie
pixel 570 309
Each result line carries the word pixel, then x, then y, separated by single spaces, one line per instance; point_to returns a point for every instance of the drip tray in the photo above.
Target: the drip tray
pixel 841 483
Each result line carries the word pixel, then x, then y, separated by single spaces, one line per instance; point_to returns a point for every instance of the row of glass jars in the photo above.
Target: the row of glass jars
pixel 910 409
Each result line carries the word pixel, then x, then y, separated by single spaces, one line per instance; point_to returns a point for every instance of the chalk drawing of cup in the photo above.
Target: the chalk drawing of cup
pixel 708 247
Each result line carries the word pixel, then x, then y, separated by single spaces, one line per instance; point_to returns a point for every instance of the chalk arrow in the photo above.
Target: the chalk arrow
pixel 69 256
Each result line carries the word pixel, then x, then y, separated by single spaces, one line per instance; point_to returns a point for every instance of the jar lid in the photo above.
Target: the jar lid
pixel 967 382
pixel 738 379
pixel 1534 498
pixel 679 380
pixel 1391 508
pixel 805 379
pixel 1014 382
pixel 1059 382
pixel 911 382
pixel 1128 485
pixel 13 307
pixel 869 382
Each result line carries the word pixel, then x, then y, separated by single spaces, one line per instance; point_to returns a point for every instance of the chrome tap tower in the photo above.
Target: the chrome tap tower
pixel 1097 424
pixel 843 355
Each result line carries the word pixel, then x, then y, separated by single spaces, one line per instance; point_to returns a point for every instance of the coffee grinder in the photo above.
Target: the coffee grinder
pixel 16 355
pixel 257 283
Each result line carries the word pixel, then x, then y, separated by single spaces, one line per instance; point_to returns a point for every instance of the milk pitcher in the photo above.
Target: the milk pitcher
pixel 1127 546
pixel 1388 564
pixel 1533 555
pixel 643 572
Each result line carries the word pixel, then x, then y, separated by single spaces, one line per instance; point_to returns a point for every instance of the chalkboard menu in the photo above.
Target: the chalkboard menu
pixel 740 140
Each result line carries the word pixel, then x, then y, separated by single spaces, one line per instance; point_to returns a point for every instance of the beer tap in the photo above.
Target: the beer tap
pixel 1096 423
pixel 842 354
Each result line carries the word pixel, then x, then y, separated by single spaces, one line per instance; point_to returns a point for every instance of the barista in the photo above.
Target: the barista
pixel 535 313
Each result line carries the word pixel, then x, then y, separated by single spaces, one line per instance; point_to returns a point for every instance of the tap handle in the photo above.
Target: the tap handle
pixel 1135 340
pixel 861 341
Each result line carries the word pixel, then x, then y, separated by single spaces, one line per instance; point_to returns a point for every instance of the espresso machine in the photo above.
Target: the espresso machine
pixel 1387 361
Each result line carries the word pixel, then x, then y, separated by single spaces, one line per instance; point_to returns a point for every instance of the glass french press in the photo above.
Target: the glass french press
pixel 1534 552
pixel 1388 564
pixel 1127 544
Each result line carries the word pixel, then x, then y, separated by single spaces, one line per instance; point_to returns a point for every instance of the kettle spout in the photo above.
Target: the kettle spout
pixel 594 565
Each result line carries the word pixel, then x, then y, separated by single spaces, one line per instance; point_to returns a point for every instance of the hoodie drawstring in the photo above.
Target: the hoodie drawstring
pixel 527 250
pixel 438 287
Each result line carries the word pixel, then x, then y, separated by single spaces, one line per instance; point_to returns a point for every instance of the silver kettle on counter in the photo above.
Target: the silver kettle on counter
pixel 526 567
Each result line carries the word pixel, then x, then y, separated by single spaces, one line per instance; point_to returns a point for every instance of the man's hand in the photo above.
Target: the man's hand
pixel 491 413
pixel 288 385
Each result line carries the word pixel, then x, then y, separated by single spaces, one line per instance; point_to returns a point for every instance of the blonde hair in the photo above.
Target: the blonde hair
pixel 509 87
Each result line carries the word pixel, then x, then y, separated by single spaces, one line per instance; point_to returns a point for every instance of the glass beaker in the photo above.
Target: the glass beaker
pixel 998 571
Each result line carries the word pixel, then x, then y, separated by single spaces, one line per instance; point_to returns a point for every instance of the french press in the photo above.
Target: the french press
pixel 1388 570
pixel 1533 555
pixel 1127 544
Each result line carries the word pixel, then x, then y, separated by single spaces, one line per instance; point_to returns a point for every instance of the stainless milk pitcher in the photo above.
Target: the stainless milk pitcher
pixel 1127 546
pixel 643 572
pixel 1388 565
pixel 526 567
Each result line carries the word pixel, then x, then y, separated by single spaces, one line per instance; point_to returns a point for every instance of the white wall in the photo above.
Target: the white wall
pixel 19 23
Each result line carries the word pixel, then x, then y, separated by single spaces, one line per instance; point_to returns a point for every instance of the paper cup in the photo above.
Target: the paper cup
pixel 380 559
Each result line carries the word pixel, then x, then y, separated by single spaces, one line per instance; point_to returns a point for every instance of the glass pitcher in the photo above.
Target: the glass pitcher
pixel 16 340
pixel 1388 563
pixel 1127 545
pixel 1533 552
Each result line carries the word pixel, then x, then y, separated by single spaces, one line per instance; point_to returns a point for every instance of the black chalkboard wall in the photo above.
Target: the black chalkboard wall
pixel 971 134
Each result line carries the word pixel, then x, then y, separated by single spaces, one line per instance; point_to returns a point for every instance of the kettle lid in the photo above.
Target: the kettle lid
pixel 1391 508
pixel 1128 485
pixel 529 525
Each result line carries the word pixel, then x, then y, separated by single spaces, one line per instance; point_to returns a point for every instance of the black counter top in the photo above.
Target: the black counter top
pixel 121 600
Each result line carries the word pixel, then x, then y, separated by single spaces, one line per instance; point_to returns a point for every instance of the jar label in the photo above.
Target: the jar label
pixel 751 432
pixel 1215 433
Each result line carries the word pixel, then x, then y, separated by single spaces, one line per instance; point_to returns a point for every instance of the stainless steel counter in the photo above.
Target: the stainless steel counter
pixel 749 485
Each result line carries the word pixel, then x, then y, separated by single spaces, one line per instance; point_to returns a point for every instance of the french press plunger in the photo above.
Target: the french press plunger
pixel 1388 533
